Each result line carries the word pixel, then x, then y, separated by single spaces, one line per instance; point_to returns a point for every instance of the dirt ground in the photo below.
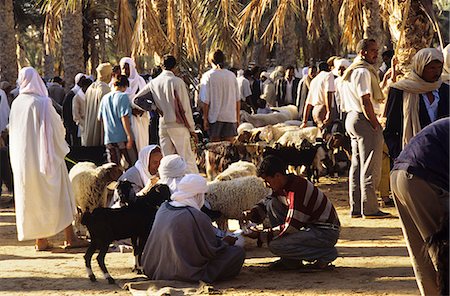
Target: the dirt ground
pixel 373 261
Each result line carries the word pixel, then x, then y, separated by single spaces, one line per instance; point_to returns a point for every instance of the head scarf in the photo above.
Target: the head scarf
pixel 136 81
pixel 413 85
pixel 240 73
pixel 31 83
pixel 446 73
pixel 191 192
pixel 264 74
pixel 305 71
pixel 76 88
pixel 104 72
pixel 171 169
pixel 143 161
pixel 4 85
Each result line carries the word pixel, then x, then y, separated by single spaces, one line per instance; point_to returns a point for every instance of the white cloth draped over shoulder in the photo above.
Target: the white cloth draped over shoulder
pixel 43 195
pixel 139 124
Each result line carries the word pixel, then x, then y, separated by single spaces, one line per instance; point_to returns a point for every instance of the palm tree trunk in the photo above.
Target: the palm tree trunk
pixel 418 31
pixel 287 53
pixel 8 43
pixel 72 45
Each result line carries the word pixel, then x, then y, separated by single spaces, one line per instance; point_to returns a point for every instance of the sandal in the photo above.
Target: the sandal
pixel 48 247
pixel 76 244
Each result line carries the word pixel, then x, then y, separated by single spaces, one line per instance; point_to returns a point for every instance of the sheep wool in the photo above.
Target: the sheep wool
pixel 259 120
pixel 295 137
pixel 236 170
pixel 233 197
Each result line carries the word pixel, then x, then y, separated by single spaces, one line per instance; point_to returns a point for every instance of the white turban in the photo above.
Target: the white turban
pixel 264 74
pixel 142 163
pixel 305 71
pixel 191 192
pixel 240 73
pixel 340 63
pixel 171 169
pixel 135 80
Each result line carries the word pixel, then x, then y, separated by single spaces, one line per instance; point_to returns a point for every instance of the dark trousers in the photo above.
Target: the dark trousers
pixel 5 169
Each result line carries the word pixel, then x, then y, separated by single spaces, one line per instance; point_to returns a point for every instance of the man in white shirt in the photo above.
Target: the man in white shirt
pixel 219 93
pixel 320 97
pixel 362 94
pixel 176 123
pixel 244 85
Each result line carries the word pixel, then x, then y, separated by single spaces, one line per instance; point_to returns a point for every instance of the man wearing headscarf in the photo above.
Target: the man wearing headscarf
pixel 44 200
pixel 416 101
pixel 182 244
pixel 362 94
pixel 71 127
pixel 93 132
pixel 143 174
pixel 268 91
pixel 171 170
pixel 141 119
pixel 176 124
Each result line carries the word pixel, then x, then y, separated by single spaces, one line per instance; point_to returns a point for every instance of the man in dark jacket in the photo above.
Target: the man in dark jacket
pixel 286 88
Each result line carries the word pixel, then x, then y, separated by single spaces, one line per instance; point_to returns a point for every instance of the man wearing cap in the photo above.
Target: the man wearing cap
pixel 182 244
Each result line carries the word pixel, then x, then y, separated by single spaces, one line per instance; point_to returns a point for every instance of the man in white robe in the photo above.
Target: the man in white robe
pixel 44 200
pixel 93 129
pixel 141 120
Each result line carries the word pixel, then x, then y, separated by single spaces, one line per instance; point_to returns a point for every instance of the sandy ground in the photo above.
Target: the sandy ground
pixel 373 261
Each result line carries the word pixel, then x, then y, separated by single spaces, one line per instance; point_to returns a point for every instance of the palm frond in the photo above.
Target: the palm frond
pixel 148 36
pixel 351 22
pixel 274 31
pixel 189 30
pixel 217 24
pixel 124 27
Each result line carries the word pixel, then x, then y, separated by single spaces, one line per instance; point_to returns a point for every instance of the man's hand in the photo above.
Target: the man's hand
pixel 230 240
pixel 250 215
pixel 130 144
pixel 304 124
pixel 253 233
pixel 327 118
pixel 195 136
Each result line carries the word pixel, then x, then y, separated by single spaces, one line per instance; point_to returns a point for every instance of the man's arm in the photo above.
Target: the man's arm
pixel 328 101
pixel 368 112
pixel 127 127
pixel 306 112
pixel 205 116
pixel 238 112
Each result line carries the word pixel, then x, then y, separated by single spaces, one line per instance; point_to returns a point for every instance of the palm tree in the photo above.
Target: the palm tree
pixel 72 43
pixel 417 29
pixel 8 44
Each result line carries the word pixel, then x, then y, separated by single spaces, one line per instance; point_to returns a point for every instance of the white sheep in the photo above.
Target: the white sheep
pixel 233 197
pixel 89 184
pixel 245 126
pixel 295 137
pixel 259 120
pixel 237 170
pixel 292 109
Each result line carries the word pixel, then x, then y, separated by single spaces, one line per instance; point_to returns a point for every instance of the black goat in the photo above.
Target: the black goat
pixel 134 221
pixel 297 157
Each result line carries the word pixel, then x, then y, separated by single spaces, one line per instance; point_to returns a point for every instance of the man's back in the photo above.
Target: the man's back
pixel 219 89
pixel 56 92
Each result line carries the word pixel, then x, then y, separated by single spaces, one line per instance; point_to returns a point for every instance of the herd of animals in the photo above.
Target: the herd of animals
pixel 229 167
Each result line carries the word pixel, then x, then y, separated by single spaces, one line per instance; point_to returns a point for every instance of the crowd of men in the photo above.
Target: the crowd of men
pixel 403 121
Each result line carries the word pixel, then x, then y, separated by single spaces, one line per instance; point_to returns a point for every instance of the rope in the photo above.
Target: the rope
pixel 70 160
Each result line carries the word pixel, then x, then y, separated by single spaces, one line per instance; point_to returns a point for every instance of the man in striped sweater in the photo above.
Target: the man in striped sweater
pixel 304 222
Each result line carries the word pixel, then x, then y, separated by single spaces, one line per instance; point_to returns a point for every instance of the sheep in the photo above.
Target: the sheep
pixel 292 109
pixel 218 156
pixel 233 197
pixel 295 136
pixel 236 170
pixel 134 221
pixel 259 120
pixel 246 126
pixel 90 186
